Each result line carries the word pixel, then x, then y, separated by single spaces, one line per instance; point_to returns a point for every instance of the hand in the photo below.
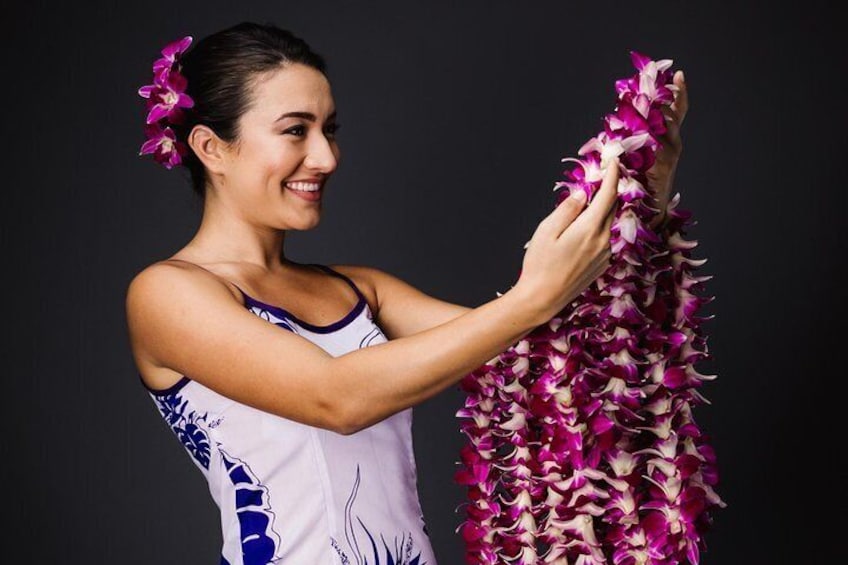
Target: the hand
pixel 661 174
pixel 569 249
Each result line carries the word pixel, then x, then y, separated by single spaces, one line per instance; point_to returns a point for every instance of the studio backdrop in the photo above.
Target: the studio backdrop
pixel 456 116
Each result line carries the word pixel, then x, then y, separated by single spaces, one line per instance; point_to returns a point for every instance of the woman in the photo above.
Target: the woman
pixel 304 435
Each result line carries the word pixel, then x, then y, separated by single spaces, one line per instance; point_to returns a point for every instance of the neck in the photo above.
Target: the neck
pixel 226 236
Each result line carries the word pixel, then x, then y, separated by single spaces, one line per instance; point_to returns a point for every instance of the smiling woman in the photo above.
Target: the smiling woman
pixel 249 112
pixel 277 376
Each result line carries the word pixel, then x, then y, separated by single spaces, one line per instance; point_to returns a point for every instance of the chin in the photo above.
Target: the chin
pixel 305 224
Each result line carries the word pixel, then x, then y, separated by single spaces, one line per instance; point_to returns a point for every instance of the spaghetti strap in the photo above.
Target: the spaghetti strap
pixel 248 298
pixel 243 293
pixel 342 276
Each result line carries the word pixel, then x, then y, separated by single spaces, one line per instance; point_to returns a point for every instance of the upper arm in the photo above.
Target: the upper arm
pixel 190 322
pixel 402 309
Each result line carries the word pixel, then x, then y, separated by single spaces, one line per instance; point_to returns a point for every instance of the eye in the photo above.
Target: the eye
pixel 300 130
pixel 332 129
pixel 296 130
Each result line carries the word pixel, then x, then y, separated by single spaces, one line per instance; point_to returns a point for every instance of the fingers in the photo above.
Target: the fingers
pixel 607 226
pixel 562 216
pixel 613 209
pixel 674 115
pixel 603 202
pixel 680 106
pixel 671 137
pixel 568 209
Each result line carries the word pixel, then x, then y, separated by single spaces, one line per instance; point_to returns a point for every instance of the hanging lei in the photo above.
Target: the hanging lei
pixel 581 443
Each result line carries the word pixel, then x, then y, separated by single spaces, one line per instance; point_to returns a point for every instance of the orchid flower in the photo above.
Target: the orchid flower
pixel 166 98
pixel 163 144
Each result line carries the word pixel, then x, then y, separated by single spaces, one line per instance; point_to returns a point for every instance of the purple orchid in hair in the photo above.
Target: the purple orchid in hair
pixel 166 96
pixel 171 53
pixel 163 144
pixel 166 99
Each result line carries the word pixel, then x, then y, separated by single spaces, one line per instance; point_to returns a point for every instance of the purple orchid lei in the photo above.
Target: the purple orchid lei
pixel 166 99
pixel 581 443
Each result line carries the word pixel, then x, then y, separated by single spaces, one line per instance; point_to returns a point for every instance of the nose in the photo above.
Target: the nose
pixel 323 155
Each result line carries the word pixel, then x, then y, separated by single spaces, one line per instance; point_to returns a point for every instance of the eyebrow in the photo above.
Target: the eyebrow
pixel 305 115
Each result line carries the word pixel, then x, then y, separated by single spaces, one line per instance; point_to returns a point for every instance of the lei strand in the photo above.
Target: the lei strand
pixel 581 443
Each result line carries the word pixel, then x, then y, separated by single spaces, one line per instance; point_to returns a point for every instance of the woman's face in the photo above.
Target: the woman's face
pixel 287 135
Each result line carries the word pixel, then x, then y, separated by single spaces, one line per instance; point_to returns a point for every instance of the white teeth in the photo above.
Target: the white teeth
pixel 307 186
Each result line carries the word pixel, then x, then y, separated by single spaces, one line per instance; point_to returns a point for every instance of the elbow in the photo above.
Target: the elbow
pixel 356 415
pixel 346 429
pixel 343 417
pixel 345 424
pixel 350 408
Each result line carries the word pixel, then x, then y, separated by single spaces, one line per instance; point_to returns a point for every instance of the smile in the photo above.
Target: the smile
pixel 310 191
pixel 306 186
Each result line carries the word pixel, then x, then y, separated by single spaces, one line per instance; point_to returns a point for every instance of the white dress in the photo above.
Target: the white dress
pixel 295 494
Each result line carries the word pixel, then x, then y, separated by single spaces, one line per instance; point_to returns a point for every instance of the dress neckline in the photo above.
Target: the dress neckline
pixel 281 312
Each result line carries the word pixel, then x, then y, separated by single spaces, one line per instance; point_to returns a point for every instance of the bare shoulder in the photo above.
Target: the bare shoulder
pixel 365 278
pixel 165 286
pixel 401 308
pixel 375 283
pixel 186 321
pixel 169 279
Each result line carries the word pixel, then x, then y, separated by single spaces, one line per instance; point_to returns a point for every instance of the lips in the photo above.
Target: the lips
pixel 313 179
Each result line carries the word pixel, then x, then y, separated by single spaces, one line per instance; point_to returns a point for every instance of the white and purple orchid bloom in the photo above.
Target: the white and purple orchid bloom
pixel 166 98
pixel 582 447
pixel 163 145
pixel 171 53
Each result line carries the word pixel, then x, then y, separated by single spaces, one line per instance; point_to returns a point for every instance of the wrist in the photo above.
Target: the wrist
pixel 660 221
pixel 526 300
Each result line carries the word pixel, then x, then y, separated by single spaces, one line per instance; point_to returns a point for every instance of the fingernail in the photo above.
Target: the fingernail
pixel 579 195
pixel 682 77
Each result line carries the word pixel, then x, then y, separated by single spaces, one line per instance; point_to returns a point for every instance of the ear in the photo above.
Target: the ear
pixel 212 151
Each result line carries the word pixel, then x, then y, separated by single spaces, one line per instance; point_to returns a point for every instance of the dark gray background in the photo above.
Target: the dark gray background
pixel 455 117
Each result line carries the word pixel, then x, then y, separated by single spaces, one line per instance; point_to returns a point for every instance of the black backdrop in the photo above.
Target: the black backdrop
pixel 455 116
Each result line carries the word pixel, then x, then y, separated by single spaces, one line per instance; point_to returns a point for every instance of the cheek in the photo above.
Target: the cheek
pixel 279 160
pixel 268 155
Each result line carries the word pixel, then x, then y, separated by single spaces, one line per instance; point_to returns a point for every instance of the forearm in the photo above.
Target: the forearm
pixel 377 381
pixel 659 222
